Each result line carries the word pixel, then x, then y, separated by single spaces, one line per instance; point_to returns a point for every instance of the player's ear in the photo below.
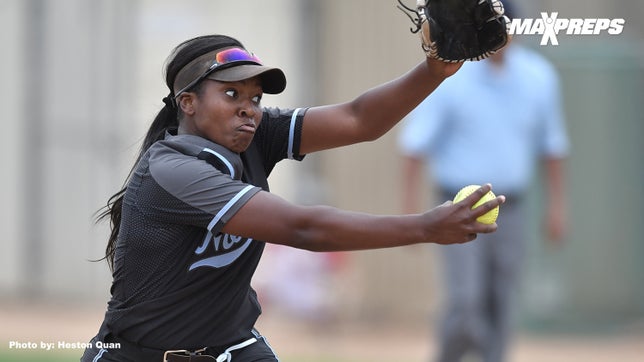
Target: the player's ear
pixel 186 103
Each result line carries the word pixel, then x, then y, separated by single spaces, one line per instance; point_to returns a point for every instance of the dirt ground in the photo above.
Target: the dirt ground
pixel 295 340
pixel 368 342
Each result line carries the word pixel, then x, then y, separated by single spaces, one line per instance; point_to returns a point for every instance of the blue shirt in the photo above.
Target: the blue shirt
pixel 489 124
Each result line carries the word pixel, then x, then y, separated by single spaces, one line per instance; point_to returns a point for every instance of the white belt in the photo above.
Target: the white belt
pixel 227 357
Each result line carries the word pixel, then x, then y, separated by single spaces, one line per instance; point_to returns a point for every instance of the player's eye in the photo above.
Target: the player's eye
pixel 257 99
pixel 231 93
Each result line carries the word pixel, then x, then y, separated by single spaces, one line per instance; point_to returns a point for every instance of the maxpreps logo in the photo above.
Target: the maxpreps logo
pixel 549 26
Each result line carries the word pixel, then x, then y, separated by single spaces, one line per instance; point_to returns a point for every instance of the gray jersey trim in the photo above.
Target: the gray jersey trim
pixel 228 206
pixel 291 133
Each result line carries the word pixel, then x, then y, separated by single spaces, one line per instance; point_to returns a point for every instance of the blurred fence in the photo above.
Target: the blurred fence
pixel 597 279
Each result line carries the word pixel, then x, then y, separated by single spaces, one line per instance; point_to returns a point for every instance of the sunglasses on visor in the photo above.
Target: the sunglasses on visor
pixel 224 58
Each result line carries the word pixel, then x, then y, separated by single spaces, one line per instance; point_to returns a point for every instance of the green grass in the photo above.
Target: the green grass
pixel 60 356
pixel 38 356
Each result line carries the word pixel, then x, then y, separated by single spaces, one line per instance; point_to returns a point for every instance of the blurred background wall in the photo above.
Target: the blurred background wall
pixel 83 79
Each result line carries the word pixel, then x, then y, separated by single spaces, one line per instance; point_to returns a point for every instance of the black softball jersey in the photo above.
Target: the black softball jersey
pixel 178 281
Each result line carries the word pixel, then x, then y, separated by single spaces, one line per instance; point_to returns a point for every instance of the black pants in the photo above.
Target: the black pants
pixel 259 351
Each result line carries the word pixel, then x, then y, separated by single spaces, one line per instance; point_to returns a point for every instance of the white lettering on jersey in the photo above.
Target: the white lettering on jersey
pixel 227 248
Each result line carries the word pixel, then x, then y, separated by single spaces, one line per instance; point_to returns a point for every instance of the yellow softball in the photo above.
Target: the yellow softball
pixel 487 218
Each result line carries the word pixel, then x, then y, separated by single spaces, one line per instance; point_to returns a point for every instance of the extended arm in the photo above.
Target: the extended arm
pixel 373 113
pixel 321 228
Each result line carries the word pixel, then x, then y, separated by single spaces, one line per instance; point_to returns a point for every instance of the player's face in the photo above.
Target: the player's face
pixel 228 113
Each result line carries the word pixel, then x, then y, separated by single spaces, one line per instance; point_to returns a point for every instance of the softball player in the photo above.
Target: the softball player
pixel 189 228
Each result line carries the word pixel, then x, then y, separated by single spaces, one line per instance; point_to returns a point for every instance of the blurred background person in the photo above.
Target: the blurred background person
pixel 512 97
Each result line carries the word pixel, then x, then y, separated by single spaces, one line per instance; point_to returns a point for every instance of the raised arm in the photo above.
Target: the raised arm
pixel 374 112
pixel 321 228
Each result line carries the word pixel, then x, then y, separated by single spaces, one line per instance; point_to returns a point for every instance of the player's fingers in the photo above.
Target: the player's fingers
pixel 488 206
pixel 465 238
pixel 475 196
pixel 485 228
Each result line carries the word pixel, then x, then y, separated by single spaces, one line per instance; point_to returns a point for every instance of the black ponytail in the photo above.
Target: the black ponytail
pixel 167 118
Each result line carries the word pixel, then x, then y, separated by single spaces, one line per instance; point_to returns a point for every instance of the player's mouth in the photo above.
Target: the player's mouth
pixel 247 128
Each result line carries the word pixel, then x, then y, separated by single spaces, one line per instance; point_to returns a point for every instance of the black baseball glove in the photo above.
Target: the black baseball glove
pixel 459 30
